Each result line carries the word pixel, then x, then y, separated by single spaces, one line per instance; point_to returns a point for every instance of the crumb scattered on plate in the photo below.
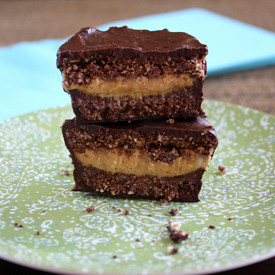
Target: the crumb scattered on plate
pixel 175 234
pixel 126 212
pixel 65 172
pixel 222 169
pixel 172 250
pixel 174 212
pixel 18 225
pixel 90 209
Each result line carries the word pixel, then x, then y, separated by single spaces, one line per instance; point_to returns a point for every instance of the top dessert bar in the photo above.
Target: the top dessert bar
pixel 124 75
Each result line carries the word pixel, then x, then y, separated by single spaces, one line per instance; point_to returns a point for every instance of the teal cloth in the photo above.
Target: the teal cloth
pixel 30 81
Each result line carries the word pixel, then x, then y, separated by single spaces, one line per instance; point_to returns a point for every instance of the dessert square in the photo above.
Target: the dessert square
pixel 153 159
pixel 124 75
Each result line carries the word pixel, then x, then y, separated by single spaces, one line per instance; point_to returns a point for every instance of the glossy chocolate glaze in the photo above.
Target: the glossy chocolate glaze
pixel 125 42
pixel 197 127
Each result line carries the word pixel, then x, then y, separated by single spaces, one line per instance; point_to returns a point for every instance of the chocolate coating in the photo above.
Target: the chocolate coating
pixel 128 43
pixel 196 127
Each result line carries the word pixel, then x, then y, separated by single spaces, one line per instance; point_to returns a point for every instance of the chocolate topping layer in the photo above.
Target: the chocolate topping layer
pixel 196 127
pixel 128 43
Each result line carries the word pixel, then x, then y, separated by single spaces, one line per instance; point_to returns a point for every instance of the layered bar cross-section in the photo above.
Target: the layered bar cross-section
pixel 124 75
pixel 153 159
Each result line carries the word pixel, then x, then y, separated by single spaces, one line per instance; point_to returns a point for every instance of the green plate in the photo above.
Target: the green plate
pixel 36 193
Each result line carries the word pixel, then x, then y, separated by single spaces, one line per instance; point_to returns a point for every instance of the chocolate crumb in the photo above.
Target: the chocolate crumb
pixel 118 210
pixel 37 233
pixel 90 209
pixel 137 240
pixel 170 121
pixel 113 207
pixel 211 226
pixel 175 234
pixel 173 250
pixel 65 172
pixel 115 256
pixel 163 201
pixel 149 215
pixel 126 212
pixel 16 224
pixel 222 169
pixel 173 212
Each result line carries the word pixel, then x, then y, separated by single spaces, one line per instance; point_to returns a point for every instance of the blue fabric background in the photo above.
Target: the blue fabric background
pixel 30 81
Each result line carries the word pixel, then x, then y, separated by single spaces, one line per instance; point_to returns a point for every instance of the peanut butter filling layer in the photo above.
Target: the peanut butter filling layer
pixel 134 87
pixel 138 163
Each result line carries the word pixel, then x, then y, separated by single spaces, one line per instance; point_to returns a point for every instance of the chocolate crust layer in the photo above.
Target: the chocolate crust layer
pixel 184 188
pixel 82 71
pixel 184 102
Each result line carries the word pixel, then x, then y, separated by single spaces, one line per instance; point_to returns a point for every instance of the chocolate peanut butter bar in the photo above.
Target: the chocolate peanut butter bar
pixel 124 75
pixel 155 159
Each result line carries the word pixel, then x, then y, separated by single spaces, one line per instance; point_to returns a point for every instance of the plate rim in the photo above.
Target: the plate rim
pixel 64 271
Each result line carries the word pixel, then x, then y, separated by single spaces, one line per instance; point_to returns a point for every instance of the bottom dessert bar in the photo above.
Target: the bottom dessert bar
pixel 154 159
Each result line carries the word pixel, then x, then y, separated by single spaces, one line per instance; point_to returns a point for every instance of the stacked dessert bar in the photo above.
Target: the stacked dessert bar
pixel 139 130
